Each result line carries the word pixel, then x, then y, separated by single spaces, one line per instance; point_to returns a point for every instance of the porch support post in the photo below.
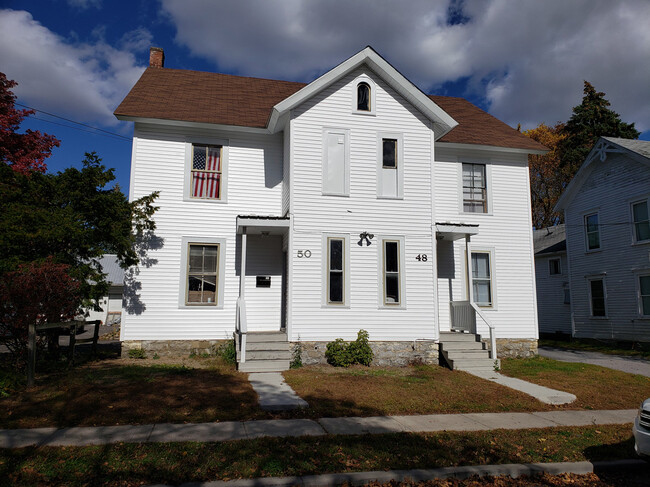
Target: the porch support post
pixel 242 267
pixel 468 266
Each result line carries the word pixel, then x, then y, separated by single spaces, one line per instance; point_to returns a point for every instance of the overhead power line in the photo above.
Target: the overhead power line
pixel 96 129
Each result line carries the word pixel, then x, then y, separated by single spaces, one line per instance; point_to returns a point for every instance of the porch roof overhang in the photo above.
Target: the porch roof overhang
pixel 263 225
pixel 455 231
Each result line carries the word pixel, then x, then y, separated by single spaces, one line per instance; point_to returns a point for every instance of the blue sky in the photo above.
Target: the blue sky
pixel 523 61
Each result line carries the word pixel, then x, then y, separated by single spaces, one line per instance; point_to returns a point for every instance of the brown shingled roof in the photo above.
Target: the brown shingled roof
pixel 196 96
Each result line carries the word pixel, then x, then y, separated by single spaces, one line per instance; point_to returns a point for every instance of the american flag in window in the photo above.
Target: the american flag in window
pixel 206 172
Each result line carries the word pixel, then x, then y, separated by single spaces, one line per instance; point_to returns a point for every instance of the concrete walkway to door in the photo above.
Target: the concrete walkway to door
pixel 631 365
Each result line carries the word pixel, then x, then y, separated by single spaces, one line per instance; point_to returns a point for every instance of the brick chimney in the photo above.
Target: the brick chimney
pixel 156 57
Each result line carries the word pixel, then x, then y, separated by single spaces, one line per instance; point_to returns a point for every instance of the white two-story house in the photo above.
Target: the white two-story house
pixel 310 211
pixel 606 212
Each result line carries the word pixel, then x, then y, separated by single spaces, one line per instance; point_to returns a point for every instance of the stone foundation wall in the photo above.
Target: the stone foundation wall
pixel 173 348
pixel 514 347
pixel 384 353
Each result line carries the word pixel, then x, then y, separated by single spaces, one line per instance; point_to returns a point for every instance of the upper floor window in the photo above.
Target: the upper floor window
pixel 363 97
pixel 206 172
pixel 554 267
pixel 389 166
pixel 474 188
pixel 641 217
pixel 592 231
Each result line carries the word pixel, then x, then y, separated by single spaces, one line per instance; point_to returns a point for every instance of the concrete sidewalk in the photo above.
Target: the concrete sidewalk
pixel 631 365
pixel 239 430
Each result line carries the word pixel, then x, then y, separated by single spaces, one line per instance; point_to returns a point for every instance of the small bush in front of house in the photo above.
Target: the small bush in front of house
pixel 342 354
pixel 137 353
pixel 228 352
pixel 296 357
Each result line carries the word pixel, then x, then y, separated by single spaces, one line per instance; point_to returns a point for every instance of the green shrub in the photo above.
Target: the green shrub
pixel 228 352
pixel 137 353
pixel 296 358
pixel 342 354
pixel 10 381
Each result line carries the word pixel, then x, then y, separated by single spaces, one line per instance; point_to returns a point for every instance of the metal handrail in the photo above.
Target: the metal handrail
pixel 493 340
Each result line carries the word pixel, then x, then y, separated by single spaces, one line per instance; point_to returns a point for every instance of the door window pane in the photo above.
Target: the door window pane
pixel 389 153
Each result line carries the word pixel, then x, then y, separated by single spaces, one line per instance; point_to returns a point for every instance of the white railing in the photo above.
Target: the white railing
pixel 493 340
pixel 242 328
pixel 463 317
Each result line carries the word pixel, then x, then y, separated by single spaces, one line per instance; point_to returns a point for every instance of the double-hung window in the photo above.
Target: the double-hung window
pixel 392 281
pixel 554 267
pixel 644 295
pixel 482 279
pixel 206 179
pixel 474 188
pixel 202 274
pixel 335 270
pixel 597 297
pixel 592 231
pixel 641 217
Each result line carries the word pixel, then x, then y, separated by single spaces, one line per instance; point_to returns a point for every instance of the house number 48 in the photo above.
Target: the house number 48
pixel 304 253
pixel 422 258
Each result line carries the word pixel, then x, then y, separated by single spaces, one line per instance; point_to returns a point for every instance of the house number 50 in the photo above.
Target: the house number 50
pixel 304 253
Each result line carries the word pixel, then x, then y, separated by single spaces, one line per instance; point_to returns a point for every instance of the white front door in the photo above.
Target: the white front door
pixel 264 269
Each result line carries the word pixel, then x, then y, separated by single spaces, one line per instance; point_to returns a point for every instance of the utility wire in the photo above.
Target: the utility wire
pixel 75 128
pixel 73 121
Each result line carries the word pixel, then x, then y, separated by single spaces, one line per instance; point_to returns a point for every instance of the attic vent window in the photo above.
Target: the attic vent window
pixel 363 97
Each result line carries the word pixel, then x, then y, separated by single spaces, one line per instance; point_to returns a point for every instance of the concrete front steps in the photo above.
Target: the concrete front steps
pixel 265 352
pixel 465 351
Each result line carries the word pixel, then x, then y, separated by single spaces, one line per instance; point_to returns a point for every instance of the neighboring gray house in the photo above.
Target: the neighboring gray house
pixel 552 281
pixel 111 304
pixel 606 208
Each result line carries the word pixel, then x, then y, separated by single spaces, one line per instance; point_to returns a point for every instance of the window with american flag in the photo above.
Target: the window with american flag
pixel 206 181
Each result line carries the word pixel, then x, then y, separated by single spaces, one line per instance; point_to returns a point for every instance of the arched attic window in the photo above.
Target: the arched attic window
pixel 363 97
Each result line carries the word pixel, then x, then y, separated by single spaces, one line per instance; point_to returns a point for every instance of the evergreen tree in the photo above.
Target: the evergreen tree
pixel 590 120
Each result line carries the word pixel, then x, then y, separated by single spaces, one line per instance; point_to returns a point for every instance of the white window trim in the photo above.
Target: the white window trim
pixel 638 276
pixel 346 134
pixel 187 177
pixel 488 180
pixel 182 290
pixel 559 259
pixel 373 98
pixel 400 164
pixel 325 270
pixel 493 279
pixel 600 277
pixel 635 201
pixel 600 233
pixel 402 271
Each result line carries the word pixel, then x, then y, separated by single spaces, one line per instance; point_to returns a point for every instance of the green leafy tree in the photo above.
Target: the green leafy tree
pixel 591 119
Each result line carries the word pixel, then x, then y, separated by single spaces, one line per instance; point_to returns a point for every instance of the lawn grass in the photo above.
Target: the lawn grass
pixel 175 463
pixel 628 349
pixel 424 389
pixel 595 387
pixel 132 392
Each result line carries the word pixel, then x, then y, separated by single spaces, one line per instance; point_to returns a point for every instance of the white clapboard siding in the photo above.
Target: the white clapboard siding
pixel 361 211
pixel 254 187
pixel 609 190
pixel 505 230
pixel 553 313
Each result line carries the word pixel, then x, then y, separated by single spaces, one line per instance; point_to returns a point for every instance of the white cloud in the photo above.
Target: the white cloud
pixel 85 81
pixel 84 4
pixel 528 58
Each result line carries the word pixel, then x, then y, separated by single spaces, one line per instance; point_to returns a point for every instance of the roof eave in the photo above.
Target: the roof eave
pixel 378 64
pixel 185 123
pixel 491 148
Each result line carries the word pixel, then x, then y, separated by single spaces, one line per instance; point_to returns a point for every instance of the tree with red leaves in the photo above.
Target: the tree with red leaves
pixel 24 152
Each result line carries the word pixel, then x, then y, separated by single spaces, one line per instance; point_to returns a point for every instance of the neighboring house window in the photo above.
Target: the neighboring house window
pixel 206 180
pixel 336 270
pixel 567 295
pixel 336 165
pixel 644 295
pixel 363 97
pixel 641 216
pixel 592 231
pixel 389 166
pixel 392 281
pixel 597 296
pixel 202 274
pixel 482 279
pixel 474 188
pixel 554 267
